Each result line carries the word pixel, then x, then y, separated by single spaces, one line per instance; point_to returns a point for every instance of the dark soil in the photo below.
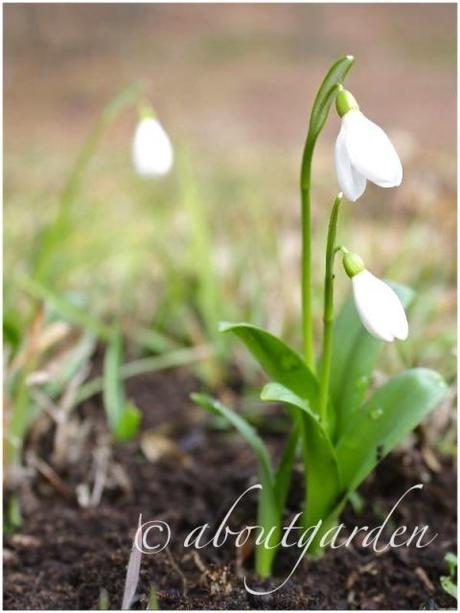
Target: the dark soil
pixel 64 555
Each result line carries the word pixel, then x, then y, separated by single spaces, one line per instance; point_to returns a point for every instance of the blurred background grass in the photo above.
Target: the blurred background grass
pixel 233 85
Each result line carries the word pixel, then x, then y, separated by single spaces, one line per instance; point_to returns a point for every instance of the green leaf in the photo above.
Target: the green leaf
pixel 321 470
pixel 448 583
pixel 268 514
pixel 128 424
pixel 449 586
pixel 326 95
pixel 114 399
pixel 12 329
pixel 77 359
pixel 355 353
pixel 208 299
pixel 393 411
pixel 67 310
pixel 279 361
pixel 284 470
pixel 452 562
pixel 244 428
pixel 123 417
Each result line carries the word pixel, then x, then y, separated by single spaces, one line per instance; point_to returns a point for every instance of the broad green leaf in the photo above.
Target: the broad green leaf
pixel 393 411
pixel 279 361
pixel 321 470
pixel 326 95
pixel 354 354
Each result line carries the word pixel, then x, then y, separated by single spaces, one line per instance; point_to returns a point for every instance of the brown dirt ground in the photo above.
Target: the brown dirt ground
pixel 63 555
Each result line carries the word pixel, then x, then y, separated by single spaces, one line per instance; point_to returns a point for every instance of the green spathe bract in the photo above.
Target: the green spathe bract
pixel 342 436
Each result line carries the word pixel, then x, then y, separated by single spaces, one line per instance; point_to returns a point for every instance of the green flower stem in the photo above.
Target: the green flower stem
pixel 307 318
pixel 328 315
pixel 324 98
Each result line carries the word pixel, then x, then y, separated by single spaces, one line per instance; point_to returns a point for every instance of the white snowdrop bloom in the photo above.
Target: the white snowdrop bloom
pixel 152 150
pixel 363 152
pixel 379 308
pixel 378 305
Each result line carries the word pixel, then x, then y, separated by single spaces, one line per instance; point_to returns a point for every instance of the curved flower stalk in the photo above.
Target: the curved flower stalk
pixel 379 308
pixel 152 151
pixel 363 152
pixel 319 113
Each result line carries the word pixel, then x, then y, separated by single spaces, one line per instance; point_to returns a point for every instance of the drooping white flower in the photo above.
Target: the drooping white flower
pixel 379 308
pixel 378 305
pixel 363 152
pixel 152 151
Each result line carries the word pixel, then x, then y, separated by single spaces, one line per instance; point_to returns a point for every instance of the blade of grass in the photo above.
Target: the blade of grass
pixel 201 252
pixel 112 392
pixel 68 311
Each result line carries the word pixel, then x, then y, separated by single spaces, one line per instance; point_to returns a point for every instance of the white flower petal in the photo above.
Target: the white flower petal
pixel 370 150
pixel 379 307
pixel 351 182
pixel 152 150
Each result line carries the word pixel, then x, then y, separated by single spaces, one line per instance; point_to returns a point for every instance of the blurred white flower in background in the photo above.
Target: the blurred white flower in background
pixel 152 151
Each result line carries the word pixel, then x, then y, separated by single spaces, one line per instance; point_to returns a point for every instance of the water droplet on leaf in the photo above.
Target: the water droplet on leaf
pixel 376 413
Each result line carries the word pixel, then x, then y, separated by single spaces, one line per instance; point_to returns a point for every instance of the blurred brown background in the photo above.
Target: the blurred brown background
pixel 235 84
pixel 228 73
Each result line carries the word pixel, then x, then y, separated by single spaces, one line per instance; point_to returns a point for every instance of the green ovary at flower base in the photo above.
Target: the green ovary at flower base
pixel 342 436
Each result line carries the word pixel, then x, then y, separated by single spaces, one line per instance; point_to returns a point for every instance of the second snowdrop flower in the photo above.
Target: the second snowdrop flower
pixel 363 151
pixel 378 305
pixel 152 151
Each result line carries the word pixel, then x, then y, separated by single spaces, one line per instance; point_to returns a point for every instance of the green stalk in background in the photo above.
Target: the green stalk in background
pixel 324 98
pixel 209 301
pixel 328 314
pixel 58 229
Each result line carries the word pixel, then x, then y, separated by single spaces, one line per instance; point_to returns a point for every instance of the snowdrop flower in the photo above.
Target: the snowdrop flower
pixel 378 305
pixel 362 151
pixel 152 150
